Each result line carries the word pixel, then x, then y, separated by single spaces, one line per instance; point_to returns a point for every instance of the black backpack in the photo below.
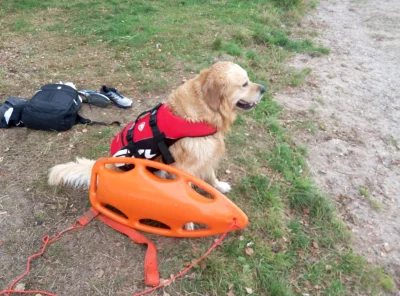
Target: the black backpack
pixel 11 111
pixel 54 107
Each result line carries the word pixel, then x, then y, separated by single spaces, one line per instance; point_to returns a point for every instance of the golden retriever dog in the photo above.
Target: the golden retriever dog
pixel 212 97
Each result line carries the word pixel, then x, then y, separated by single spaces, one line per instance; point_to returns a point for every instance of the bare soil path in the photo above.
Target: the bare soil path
pixel 353 97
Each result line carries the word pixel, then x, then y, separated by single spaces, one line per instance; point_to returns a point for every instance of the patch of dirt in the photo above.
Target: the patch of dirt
pixel 353 96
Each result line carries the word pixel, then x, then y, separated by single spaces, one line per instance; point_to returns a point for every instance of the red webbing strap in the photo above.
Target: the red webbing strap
pixel 183 271
pixel 151 275
pixel 88 216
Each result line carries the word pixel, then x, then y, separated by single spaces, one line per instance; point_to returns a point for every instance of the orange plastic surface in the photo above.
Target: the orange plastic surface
pixel 139 194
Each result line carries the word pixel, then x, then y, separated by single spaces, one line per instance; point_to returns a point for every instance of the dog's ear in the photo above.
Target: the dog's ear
pixel 212 91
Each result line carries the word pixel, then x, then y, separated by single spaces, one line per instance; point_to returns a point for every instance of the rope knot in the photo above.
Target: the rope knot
pixel 46 238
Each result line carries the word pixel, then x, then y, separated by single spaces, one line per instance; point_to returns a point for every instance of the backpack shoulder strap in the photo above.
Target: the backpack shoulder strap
pixel 82 120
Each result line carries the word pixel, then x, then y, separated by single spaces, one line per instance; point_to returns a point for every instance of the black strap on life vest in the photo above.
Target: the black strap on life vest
pixel 157 136
pixel 160 137
pixel 129 137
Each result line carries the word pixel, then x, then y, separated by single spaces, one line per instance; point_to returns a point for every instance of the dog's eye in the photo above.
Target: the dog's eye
pixel 246 84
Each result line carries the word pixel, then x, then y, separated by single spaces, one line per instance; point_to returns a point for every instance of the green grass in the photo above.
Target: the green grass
pixel 300 245
pixel 98 142
pixel 392 140
pixel 305 125
pixel 313 4
pixel 299 77
pixel 232 48
pixel 135 27
pixel 373 203
pixel 320 100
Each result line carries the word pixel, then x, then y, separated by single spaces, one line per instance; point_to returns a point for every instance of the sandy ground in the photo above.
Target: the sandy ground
pixel 353 96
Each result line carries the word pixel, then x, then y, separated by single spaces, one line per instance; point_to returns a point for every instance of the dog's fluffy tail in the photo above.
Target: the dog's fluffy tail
pixel 75 174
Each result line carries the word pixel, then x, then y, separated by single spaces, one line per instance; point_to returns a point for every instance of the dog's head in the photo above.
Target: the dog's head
pixel 227 85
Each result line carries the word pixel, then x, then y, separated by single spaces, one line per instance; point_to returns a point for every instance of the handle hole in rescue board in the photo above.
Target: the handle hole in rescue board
pixel 115 210
pixel 119 167
pixel 164 175
pixel 201 191
pixel 154 223
pixel 195 226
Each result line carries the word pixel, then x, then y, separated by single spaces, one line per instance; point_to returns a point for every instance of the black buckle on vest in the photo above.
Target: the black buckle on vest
pixel 129 136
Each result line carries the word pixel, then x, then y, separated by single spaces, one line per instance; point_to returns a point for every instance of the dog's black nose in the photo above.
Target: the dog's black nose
pixel 262 89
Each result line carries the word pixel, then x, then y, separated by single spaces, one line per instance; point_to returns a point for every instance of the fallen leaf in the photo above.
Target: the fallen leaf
pixel 84 130
pixel 315 245
pixel 20 286
pixel 230 293
pixel 241 238
pixel 228 172
pixel 186 264
pixel 249 251
pixel 249 290
pixel 231 286
pixel 306 211
pixel 164 282
pixel 99 273
pixel 328 268
pixel 203 265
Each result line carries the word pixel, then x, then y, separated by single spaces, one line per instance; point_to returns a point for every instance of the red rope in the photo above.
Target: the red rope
pixel 183 271
pixel 46 241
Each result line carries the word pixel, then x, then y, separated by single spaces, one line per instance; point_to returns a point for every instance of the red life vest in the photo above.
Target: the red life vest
pixel 151 135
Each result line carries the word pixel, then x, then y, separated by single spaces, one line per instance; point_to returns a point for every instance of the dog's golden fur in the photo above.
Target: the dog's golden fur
pixel 211 97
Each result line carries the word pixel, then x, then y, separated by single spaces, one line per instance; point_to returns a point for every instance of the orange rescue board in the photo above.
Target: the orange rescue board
pixel 140 195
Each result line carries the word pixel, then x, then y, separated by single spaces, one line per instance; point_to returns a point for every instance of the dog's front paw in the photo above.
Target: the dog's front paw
pixel 223 187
